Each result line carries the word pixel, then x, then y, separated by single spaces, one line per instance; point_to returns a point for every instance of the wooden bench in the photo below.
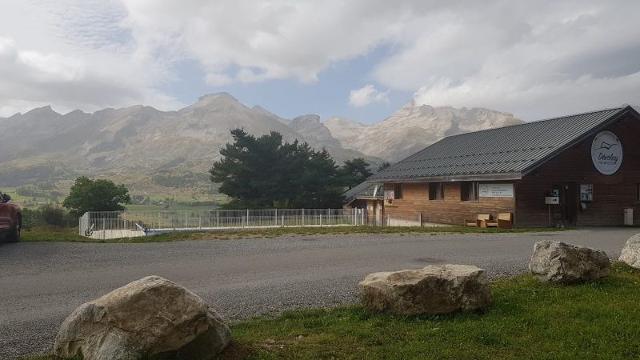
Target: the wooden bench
pixel 480 220
pixel 504 221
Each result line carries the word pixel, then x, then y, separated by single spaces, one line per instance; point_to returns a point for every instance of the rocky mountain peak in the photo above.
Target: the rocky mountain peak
pixel 307 119
pixel 221 98
pixel 42 111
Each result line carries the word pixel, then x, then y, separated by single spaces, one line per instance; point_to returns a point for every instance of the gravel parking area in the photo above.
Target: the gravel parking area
pixel 41 283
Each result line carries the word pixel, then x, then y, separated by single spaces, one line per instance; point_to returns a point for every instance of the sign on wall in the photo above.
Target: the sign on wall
pixel 606 153
pixel 495 190
pixel 586 192
pixel 389 195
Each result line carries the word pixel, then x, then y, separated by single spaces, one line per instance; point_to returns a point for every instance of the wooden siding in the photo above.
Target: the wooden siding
pixel 451 210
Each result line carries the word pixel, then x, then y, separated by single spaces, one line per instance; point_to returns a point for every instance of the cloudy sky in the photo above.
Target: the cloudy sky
pixel 360 59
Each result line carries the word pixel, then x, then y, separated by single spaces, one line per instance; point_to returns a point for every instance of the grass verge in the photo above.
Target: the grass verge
pixel 529 320
pixel 71 234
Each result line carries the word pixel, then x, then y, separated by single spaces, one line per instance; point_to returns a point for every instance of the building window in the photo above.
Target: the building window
pixel 436 191
pixel 397 191
pixel 469 191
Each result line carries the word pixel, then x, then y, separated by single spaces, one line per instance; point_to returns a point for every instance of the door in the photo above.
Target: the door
pixel 569 203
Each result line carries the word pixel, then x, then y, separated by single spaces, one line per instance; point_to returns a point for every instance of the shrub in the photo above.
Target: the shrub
pixel 48 215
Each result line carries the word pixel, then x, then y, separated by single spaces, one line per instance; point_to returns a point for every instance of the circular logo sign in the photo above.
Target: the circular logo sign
pixel 606 153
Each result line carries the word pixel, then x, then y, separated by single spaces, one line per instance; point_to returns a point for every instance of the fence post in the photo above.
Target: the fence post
pixel 302 217
pixel 247 217
pixel 275 222
pixel 282 220
pixel 320 220
pixel 362 217
pixel 420 218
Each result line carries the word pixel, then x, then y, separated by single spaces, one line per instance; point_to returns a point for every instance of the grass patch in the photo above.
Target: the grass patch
pixel 51 233
pixel 529 320
pixel 71 234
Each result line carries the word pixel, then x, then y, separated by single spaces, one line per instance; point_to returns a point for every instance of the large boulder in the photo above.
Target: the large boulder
pixel 435 289
pixel 631 252
pixel 150 318
pixel 558 262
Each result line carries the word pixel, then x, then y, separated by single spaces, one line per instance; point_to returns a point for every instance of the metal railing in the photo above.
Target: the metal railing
pixel 121 224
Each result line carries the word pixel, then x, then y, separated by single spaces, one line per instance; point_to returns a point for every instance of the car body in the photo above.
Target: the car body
pixel 10 219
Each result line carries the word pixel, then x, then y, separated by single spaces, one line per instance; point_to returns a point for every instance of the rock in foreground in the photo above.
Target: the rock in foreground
pixel 435 289
pixel 558 262
pixel 631 252
pixel 148 318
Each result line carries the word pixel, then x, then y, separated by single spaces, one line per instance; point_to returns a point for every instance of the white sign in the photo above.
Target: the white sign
pixel 389 195
pixel 495 190
pixel 552 200
pixel 586 192
pixel 606 153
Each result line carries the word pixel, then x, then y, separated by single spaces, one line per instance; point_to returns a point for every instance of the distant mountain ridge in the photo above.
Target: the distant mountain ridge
pixel 147 148
pixel 413 127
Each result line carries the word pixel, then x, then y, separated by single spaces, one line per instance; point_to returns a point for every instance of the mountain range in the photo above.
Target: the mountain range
pixel 156 151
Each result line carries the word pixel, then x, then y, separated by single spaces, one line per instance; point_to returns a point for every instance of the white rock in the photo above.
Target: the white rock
pixel 150 317
pixel 435 289
pixel 631 252
pixel 558 262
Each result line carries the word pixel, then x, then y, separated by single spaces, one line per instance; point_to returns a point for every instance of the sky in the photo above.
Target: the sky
pixel 358 59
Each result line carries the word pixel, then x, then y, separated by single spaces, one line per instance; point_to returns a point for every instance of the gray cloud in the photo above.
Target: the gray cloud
pixel 534 59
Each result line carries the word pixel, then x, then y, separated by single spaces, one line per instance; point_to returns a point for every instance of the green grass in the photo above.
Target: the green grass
pixel 529 320
pixel 52 233
pixel 71 234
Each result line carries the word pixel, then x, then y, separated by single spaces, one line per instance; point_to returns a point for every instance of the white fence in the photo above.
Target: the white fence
pixel 121 224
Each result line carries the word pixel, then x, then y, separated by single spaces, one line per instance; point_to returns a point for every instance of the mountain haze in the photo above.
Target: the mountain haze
pixel 156 151
pixel 413 127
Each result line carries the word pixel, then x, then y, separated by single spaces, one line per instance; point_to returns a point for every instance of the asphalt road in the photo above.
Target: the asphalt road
pixel 41 283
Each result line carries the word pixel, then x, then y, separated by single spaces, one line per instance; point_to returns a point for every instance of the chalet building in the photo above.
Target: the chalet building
pixel 577 170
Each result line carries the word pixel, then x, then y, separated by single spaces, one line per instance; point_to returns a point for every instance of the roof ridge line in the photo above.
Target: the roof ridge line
pixel 542 120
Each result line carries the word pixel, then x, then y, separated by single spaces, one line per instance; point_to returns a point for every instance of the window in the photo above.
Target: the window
pixel 638 192
pixel 469 191
pixel 436 191
pixel 397 191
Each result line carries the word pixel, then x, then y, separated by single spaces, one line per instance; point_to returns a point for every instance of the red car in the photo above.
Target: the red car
pixel 10 219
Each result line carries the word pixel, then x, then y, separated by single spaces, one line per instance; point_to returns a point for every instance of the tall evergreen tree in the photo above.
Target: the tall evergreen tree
pixel 260 172
pixel 353 172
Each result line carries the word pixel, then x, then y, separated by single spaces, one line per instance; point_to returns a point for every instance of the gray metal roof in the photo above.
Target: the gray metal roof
pixel 501 153
pixel 364 190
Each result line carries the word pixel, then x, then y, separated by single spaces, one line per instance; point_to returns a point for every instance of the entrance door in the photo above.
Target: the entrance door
pixel 569 203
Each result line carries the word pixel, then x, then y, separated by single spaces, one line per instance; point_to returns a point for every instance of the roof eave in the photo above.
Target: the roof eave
pixel 453 178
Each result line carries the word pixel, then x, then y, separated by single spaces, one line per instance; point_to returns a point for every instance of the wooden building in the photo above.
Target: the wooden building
pixel 577 170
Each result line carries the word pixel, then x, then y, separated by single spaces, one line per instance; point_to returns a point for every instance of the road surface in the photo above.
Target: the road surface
pixel 41 283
